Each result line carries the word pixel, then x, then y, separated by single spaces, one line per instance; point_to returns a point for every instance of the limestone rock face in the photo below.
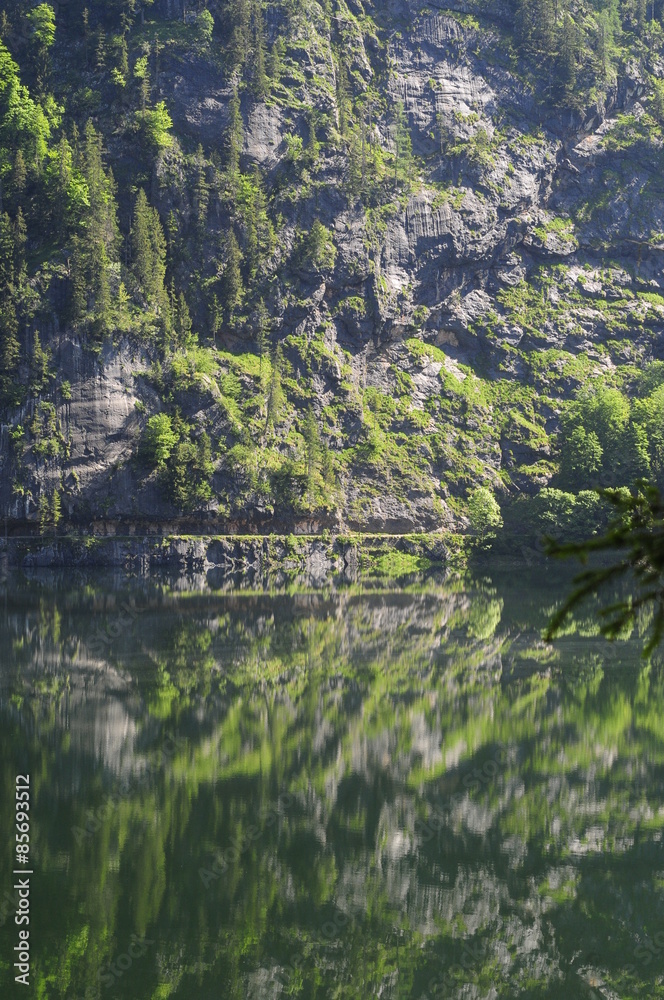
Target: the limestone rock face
pixel 442 266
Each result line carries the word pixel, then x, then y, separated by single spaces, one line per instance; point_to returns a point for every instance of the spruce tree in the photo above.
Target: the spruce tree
pixel 149 252
pixel 403 149
pixel 275 395
pixel 312 446
pixel 202 190
pixel 260 81
pixel 20 240
pixel 183 324
pixel 18 177
pixel 215 317
pixel 232 275
pixel 6 255
pixel 234 138
pixel 9 352
pixel 262 329
pixel 39 365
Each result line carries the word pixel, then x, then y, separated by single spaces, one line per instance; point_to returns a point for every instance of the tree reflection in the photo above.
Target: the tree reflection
pixel 394 794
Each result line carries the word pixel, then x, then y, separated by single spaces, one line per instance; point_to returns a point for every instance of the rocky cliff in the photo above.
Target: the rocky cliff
pixel 434 249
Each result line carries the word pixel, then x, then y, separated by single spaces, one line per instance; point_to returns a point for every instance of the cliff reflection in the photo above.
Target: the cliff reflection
pixel 396 794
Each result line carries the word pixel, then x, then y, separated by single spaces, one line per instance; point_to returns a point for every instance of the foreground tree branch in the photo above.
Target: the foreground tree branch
pixel 635 538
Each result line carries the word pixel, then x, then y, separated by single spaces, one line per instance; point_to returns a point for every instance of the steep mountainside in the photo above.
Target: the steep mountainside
pixel 297 264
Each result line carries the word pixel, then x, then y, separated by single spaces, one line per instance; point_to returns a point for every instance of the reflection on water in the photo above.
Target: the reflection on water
pixel 329 795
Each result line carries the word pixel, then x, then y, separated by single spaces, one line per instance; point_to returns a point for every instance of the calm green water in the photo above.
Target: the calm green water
pixel 330 795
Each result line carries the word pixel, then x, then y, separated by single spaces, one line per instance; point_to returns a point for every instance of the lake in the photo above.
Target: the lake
pixel 375 791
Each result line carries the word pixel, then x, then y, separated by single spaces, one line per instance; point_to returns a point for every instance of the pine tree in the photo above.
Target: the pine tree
pixel 312 446
pixel 86 33
pixel 343 102
pixel 275 60
pixel 241 33
pixel 262 329
pixel 6 255
pixel 79 294
pixel 99 244
pixel 102 289
pixel 100 55
pixel 19 176
pixel 215 317
pixel 149 252
pixel 202 190
pixel 403 148
pixel 20 240
pixel 183 324
pixel 355 178
pixel 232 275
pixel 9 352
pixel 56 510
pixel 568 49
pixel 123 66
pixel 234 138
pixel 275 395
pixel 39 365
pixel 44 514
pixel 259 82
pixel 327 468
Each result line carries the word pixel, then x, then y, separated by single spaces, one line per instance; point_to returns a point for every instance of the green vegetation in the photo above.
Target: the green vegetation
pixel 252 263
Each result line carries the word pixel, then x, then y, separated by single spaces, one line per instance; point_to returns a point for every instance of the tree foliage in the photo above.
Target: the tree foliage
pixel 634 541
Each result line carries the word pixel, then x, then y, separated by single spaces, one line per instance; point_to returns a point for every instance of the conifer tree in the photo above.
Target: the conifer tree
pixel 215 317
pixel 20 240
pixel 403 148
pixel 9 352
pixel 182 321
pixel 262 328
pixel 568 48
pixel 275 395
pixel 99 243
pixel 232 275
pixel 149 252
pixel 259 82
pixel 241 35
pixel 234 138
pixel 274 60
pixel 312 446
pixel 18 177
pixel 202 190
pixel 6 255
pixel 39 365
pixel 343 102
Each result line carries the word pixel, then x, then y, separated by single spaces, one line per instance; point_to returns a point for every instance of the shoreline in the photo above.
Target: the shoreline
pixel 318 556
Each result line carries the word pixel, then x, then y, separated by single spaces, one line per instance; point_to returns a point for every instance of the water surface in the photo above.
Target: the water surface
pixel 364 793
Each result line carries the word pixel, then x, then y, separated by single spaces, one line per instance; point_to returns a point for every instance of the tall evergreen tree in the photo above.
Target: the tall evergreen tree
pixel 259 81
pixel 232 275
pixel 234 138
pixel 149 252
pixel 403 147
pixel 9 352
pixel 202 190
pixel 99 242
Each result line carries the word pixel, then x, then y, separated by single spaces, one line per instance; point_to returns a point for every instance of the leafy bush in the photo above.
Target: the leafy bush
pixel 159 439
